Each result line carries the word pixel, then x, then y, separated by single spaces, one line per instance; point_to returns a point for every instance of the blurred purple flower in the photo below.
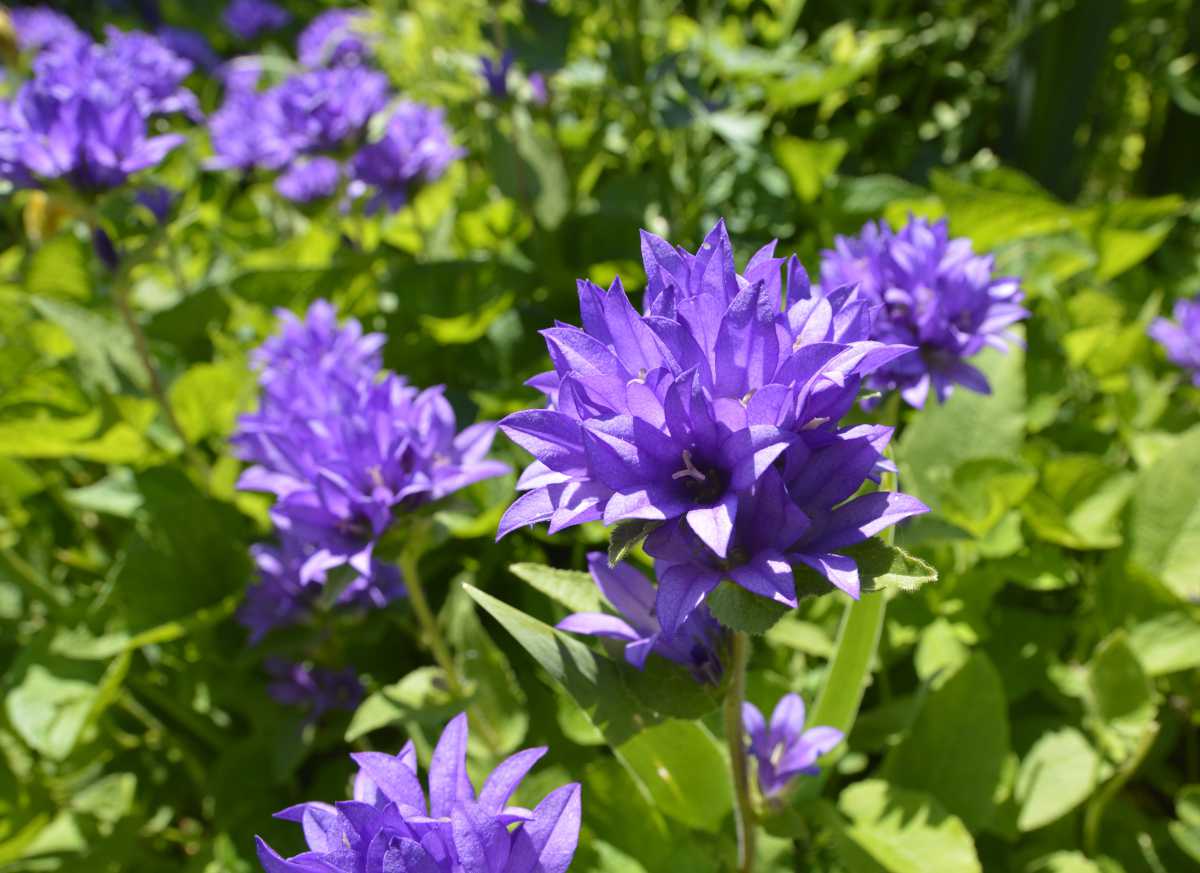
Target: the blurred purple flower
pixel 190 45
pixel 246 19
pixel 695 413
pixel 784 749
pixel 159 199
pixel 391 825
pixel 37 27
pixel 333 39
pixel 696 644
pixel 315 689
pixel 495 74
pixel 1181 338
pixel 539 89
pixel 933 293
pixel 343 447
pixel 309 179
pixel 415 149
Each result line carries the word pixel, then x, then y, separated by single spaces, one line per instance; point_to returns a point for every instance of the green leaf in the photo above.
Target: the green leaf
pixel 1120 697
pixel 1186 830
pixel 104 348
pixel 626 536
pixel 933 757
pixel 738 609
pixel 1167 643
pixel 59 269
pixel 808 163
pixel 115 494
pixel 942 437
pixel 593 681
pixel 882 566
pixel 208 397
pixel 983 490
pixel 573 589
pixel 1056 775
pixel 1164 521
pixel 682 767
pixel 1064 862
pixel 906 831
pixel 671 689
pixel 419 694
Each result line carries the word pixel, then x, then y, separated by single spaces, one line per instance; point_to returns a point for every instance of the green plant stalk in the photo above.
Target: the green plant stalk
pixel 1095 810
pixel 431 635
pixel 743 806
pixel 858 638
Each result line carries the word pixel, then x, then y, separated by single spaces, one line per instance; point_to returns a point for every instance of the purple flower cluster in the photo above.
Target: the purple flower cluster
pixel 783 749
pixel 934 294
pixel 342 445
pixel 305 125
pixel 695 644
pixel 316 689
pixel 247 19
pixel 392 827
pixel 1181 337
pixel 715 413
pixel 83 116
pixel 38 27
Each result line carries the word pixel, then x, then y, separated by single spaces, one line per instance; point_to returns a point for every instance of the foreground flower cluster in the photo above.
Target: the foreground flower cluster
pixel 342 445
pixel 85 115
pixel 933 293
pixel 715 413
pixel 311 128
pixel 390 828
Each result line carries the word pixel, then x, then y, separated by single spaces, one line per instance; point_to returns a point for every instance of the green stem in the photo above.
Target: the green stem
pixel 431 635
pixel 1095 811
pixel 743 809
pixel 862 626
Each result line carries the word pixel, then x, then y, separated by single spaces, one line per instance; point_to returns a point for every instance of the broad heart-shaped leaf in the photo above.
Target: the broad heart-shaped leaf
pixel 683 768
pixel 905 831
pixel 741 610
pixel 1164 521
pixel 1056 775
pixel 593 681
pixel 957 746
pixel 572 588
pixel 1120 697
pixel 626 536
pixel 941 437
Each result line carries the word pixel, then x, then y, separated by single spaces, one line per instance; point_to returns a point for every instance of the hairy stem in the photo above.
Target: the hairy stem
pixel 743 808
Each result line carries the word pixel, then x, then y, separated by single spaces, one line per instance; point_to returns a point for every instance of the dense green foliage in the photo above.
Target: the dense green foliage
pixel 1037 708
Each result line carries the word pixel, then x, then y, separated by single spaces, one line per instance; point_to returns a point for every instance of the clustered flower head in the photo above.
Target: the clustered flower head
pixel 316 689
pixel 37 27
pixel 1181 337
pixel 247 19
pixel 342 445
pixel 696 644
pixel 312 127
pixel 392 826
pixel 85 114
pixel 783 749
pixel 715 413
pixel 934 294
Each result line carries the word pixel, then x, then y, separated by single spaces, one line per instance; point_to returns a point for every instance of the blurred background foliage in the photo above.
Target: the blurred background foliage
pixel 1036 710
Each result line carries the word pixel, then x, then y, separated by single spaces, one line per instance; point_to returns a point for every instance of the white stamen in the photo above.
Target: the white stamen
pixel 689 470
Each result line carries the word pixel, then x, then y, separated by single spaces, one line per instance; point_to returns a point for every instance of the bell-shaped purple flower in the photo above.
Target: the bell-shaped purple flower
pixel 1181 338
pixel 415 149
pixel 783 749
pixel 246 19
pixel 695 644
pixel 934 294
pixel 332 39
pixel 392 825
pixel 495 74
pixel 316 689
pixel 38 27
pixel 309 179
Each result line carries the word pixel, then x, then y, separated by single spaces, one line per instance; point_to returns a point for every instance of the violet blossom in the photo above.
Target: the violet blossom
pixel 315 689
pixel 1181 338
pixel 393 825
pixel 309 179
pixel 246 19
pixel 333 39
pixel 705 414
pixel 934 294
pixel 415 149
pixel 783 749
pixel 696 644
